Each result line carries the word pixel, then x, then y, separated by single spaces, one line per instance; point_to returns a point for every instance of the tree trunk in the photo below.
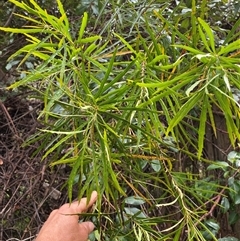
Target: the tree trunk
pixel 217 148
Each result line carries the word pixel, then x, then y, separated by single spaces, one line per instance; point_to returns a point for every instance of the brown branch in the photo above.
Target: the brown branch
pixel 10 17
pixel 9 120
pixel 217 198
pixel 209 213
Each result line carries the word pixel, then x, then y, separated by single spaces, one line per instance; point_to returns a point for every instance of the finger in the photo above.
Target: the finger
pixel 85 229
pixel 79 207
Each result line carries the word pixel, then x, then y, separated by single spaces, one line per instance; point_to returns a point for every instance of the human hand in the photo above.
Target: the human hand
pixel 60 226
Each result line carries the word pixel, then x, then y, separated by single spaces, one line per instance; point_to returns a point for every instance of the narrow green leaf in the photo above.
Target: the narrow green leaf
pixel 203 37
pixel 206 58
pixel 229 62
pixel 234 29
pixel 190 104
pixel 40 55
pixel 50 150
pixel 83 26
pixel 226 81
pixel 109 128
pixel 37 7
pixel 190 49
pixel 153 38
pixel 126 43
pixel 78 163
pixel 105 79
pixel 69 160
pixel 158 58
pixel 61 78
pixel 211 118
pixel 209 32
pixel 172 27
pixel 90 49
pixel 31 49
pixel 64 15
pixel 19 30
pixel 202 125
pixel 184 77
pixel 223 102
pixel 101 48
pixel 230 47
pixel 96 63
pixel 147 51
pixel 169 66
pixel 60 7
pixel 85 78
pixel 179 232
pixel 33 39
pixel 192 87
pixel 119 76
pixel 194 34
pixel 167 90
pixel 18 4
pixel 29 19
pixel 88 39
pixel 112 98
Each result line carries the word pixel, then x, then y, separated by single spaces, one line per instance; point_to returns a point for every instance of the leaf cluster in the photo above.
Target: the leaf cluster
pixel 121 110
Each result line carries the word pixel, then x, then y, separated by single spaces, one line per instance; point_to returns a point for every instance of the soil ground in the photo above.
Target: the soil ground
pixel 29 189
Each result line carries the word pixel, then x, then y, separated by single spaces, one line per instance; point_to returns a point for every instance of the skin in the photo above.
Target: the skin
pixel 62 227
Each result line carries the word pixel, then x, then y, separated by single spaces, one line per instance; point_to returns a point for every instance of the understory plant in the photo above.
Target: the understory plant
pixel 128 115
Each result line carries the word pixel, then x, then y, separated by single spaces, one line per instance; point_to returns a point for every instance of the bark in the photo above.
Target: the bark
pixel 217 148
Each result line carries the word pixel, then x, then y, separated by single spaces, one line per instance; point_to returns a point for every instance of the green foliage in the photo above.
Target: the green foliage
pixel 232 195
pixel 121 110
pixel 228 239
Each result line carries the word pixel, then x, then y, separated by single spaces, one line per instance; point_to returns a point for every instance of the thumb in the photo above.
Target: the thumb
pixel 85 229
